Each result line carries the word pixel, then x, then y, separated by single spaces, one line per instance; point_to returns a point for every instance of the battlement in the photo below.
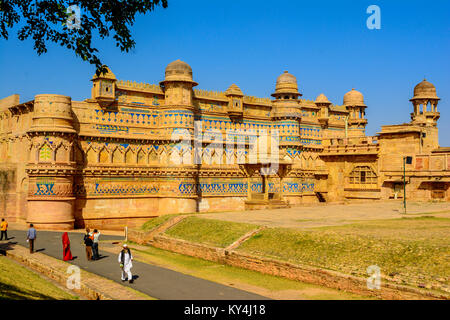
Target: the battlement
pixel 256 100
pixel 139 86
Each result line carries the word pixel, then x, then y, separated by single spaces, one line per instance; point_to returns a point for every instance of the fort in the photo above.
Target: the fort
pixel 122 157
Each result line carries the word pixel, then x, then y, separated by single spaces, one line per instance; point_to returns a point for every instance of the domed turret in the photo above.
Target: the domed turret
pixel 178 84
pixel 179 71
pixel 424 96
pixel 354 98
pixel 286 87
pixel 322 99
pixel 354 102
pixel 235 102
pixel 323 103
pixel 234 90
pixel 425 90
pixel 286 110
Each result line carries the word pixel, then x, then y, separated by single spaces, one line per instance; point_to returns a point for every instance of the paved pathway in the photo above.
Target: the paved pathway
pixel 157 282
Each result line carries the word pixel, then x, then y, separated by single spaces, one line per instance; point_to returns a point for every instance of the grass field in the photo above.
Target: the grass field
pixel 266 285
pixel 19 283
pixel 211 232
pixel 414 250
pixel 155 222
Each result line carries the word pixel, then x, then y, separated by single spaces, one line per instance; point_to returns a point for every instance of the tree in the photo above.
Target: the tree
pixel 56 21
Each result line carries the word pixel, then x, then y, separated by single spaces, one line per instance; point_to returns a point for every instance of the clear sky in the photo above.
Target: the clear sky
pixel 325 44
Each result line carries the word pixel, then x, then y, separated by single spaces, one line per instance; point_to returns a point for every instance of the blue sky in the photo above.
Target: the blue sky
pixel 325 44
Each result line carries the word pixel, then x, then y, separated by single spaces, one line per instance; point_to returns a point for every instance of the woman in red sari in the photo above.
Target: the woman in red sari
pixel 67 255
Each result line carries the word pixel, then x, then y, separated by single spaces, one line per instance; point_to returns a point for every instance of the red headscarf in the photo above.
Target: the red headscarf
pixel 67 255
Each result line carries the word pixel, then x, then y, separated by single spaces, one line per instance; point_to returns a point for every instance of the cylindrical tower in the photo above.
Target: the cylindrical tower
pixel 51 166
pixel 178 109
pixel 354 102
pixel 286 110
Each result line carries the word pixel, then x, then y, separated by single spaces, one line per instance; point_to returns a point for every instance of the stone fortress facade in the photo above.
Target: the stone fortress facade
pixel 112 160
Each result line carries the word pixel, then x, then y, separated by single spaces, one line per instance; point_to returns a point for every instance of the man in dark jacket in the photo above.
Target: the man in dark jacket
pixel 88 244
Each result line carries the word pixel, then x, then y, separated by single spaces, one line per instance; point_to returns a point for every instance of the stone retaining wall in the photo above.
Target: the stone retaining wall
pixel 327 278
pixel 92 286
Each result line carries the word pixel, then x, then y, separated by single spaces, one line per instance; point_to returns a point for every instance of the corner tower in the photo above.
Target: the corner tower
pixel 51 165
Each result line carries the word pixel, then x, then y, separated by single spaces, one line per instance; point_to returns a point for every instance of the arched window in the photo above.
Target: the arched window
pixel 362 175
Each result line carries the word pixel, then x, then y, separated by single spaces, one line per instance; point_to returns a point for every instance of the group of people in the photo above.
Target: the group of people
pixel 125 257
pixel 91 240
pixel 91 243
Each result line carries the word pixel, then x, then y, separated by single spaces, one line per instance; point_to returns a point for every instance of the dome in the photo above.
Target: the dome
pixel 286 83
pixel 354 98
pixel 425 90
pixel 286 77
pixel 108 75
pixel 322 99
pixel 234 90
pixel 178 71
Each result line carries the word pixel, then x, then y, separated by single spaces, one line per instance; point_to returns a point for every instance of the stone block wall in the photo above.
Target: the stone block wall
pixel 306 274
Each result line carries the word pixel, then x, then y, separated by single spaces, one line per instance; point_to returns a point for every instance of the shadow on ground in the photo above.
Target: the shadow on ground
pixel 9 292
pixel 6 246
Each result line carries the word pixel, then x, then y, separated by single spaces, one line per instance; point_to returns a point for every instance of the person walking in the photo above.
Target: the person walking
pixel 88 243
pixel 95 236
pixel 67 254
pixel 4 229
pixel 31 237
pixel 125 260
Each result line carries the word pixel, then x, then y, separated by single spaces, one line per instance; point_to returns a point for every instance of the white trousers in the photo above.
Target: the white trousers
pixel 126 272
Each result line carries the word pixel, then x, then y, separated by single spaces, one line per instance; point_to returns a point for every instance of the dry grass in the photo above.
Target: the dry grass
pixel 414 250
pixel 266 285
pixel 210 232
pixel 19 283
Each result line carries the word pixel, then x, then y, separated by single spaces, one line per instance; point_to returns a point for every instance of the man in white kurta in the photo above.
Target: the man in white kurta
pixel 125 260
